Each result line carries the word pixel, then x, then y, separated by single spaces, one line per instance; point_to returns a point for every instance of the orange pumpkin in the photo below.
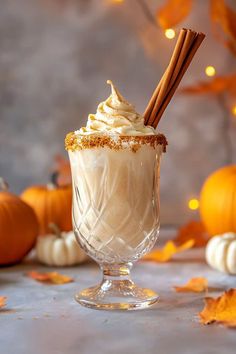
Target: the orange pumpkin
pixel 218 201
pixel 52 204
pixel 18 227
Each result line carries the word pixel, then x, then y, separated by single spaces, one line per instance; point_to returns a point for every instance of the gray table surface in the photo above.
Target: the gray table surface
pixel 46 319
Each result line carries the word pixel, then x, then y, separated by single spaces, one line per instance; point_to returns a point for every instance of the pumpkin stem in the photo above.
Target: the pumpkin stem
pixel 3 184
pixel 55 229
pixel 53 180
pixel 53 184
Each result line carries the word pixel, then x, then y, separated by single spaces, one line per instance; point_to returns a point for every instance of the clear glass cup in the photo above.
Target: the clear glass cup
pixel 116 213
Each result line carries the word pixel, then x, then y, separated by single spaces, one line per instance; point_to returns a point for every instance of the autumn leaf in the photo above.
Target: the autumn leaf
pixel 57 278
pixel 3 300
pixel 195 285
pixel 193 230
pixel 224 17
pixel 167 252
pixel 173 12
pixel 230 324
pixel 38 276
pixel 62 167
pixel 221 309
pixel 217 85
pixel 50 277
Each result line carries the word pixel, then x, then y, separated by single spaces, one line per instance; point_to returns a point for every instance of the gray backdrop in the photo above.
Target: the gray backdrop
pixel 55 58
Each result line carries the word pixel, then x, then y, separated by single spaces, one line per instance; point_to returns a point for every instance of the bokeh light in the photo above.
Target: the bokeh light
pixel 233 110
pixel 193 204
pixel 170 33
pixel 210 70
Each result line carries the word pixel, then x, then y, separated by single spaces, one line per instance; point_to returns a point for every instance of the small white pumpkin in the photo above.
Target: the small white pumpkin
pixel 59 249
pixel 221 252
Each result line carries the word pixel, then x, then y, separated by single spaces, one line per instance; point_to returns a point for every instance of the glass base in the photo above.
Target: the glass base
pixel 121 294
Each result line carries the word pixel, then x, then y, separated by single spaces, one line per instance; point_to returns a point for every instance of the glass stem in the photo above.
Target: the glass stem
pixel 114 272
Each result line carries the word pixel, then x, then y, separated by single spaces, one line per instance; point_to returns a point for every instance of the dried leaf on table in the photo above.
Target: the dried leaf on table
pixel 3 300
pixel 50 277
pixel 195 285
pixel 173 12
pixel 193 230
pixel 217 85
pixel 224 17
pixel 167 252
pixel 231 324
pixel 221 309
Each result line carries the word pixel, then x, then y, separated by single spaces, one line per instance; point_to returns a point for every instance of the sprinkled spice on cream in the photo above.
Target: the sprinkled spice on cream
pixel 117 116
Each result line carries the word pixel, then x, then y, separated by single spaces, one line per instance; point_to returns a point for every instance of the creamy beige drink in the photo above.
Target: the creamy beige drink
pixel 115 163
pixel 115 171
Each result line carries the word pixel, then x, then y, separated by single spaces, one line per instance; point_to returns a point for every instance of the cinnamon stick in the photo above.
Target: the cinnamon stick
pixel 194 47
pixel 152 101
pixel 159 92
pixel 155 94
pixel 169 72
pixel 186 47
pixel 189 39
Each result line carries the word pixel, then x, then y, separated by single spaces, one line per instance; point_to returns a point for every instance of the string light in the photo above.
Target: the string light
pixel 210 70
pixel 233 110
pixel 193 204
pixel 170 33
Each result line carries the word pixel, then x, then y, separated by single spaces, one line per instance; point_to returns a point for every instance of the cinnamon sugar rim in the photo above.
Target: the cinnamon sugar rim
pixel 75 142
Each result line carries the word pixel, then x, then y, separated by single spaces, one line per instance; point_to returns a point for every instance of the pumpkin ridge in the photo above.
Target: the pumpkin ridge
pixel 221 253
pixel 41 209
pixel 31 211
pixel 218 201
pixel 68 205
pixel 228 201
pixel 45 212
pixel 58 204
pixel 48 210
pixel 7 212
pixel 233 201
pixel 50 206
pixel 225 256
pixel 19 227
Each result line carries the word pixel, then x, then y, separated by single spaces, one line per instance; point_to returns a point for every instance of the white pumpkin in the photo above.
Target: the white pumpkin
pixel 221 252
pixel 59 249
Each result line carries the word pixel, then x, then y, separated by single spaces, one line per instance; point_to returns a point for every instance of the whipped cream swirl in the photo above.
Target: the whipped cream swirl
pixel 116 116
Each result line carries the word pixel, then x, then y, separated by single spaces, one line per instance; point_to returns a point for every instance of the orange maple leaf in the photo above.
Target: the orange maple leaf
pixel 3 300
pixel 217 85
pixel 221 309
pixel 167 252
pixel 62 167
pixel 229 324
pixel 193 230
pixel 195 285
pixel 50 277
pixel 225 17
pixel 173 12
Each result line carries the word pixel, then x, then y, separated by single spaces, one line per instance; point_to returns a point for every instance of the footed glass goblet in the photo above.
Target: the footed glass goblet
pixel 116 211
